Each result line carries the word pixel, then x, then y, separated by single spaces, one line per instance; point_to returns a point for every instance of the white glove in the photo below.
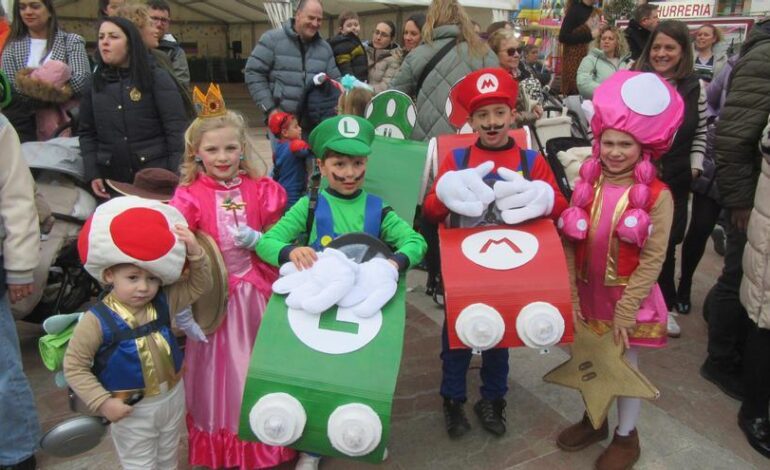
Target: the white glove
pixel 245 236
pixel 520 199
pixel 375 285
pixel 317 288
pixel 464 192
pixel 186 323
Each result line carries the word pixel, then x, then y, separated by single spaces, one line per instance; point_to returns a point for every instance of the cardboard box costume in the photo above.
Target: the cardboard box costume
pixel 332 394
pixel 498 306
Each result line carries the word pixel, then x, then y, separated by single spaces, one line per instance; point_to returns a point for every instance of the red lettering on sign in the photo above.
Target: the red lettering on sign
pixel 507 241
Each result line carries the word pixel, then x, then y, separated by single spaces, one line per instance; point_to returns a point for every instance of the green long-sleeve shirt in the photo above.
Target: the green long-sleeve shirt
pixel 348 213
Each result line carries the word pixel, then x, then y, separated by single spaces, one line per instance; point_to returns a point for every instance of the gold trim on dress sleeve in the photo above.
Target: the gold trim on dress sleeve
pixel 640 331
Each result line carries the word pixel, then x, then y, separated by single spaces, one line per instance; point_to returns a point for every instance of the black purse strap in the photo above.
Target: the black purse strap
pixel 432 64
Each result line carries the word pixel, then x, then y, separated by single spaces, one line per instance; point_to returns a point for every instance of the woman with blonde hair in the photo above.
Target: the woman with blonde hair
pixel 510 52
pixel 707 62
pixel 450 50
pixel 609 54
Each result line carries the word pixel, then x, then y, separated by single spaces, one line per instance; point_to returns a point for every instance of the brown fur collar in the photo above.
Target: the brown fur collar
pixel 41 90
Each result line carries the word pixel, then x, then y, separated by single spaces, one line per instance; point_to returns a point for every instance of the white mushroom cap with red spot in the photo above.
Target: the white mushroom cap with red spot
pixel 136 231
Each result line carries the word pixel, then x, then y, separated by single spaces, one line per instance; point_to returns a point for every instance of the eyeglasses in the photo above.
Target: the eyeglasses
pixel 160 20
pixel 514 50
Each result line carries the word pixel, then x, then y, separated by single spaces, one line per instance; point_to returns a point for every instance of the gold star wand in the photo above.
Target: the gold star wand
pixel 230 205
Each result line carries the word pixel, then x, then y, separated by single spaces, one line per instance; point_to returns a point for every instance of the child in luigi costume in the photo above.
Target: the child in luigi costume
pixel 315 277
pixel 342 144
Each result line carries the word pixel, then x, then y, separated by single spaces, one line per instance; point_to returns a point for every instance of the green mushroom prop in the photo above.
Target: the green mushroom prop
pixel 392 113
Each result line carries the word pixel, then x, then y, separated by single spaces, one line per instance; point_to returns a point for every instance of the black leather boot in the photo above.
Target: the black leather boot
pixel 454 415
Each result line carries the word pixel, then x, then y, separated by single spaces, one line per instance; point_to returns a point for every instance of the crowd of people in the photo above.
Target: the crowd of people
pixel 685 161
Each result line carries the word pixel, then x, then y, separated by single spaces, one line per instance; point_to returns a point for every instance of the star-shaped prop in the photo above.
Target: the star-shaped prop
pixel 599 371
pixel 230 205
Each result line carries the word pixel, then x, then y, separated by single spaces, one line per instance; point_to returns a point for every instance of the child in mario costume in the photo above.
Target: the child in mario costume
pixel 619 223
pixel 491 182
pixel 124 344
pixel 291 156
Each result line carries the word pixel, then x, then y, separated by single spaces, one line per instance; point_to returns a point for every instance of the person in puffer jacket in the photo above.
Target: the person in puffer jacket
pixel 285 59
pixel 446 22
pixel 349 52
pixel 755 291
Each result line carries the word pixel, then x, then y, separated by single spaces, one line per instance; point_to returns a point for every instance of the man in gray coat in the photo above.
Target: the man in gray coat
pixel 285 60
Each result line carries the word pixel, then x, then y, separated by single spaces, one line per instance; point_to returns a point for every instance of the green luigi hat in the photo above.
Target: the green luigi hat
pixel 345 134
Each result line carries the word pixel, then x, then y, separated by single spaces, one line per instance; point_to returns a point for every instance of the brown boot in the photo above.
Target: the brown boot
pixel 581 435
pixel 621 454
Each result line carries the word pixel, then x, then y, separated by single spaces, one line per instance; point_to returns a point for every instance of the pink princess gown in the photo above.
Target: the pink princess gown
pixel 597 300
pixel 215 372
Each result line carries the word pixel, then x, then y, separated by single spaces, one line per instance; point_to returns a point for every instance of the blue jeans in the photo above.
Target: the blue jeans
pixel 494 371
pixel 20 429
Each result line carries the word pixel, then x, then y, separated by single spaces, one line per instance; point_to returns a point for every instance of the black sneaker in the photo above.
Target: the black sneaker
pixel 757 431
pixel 492 415
pixel 454 415
pixel 729 383
pixel 719 239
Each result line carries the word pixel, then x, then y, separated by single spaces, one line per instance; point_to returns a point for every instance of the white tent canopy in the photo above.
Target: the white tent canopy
pixel 249 11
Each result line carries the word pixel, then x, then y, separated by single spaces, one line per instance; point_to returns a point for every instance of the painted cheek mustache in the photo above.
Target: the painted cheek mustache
pixel 342 179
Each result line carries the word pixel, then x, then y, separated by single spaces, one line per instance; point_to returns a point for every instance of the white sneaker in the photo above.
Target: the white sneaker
pixel 674 331
pixel 307 462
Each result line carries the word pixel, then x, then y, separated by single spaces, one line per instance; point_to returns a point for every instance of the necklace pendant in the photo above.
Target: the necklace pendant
pixel 135 94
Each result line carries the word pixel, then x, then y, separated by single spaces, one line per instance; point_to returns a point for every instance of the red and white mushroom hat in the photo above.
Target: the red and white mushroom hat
pixel 133 230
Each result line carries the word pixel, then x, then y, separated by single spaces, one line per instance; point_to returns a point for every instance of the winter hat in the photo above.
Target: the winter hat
pixel 135 231
pixel 484 87
pixel 348 135
pixel 651 111
pixel 55 72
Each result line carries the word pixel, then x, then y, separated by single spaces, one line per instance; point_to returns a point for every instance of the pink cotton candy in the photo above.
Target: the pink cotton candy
pixel 634 227
pixel 573 223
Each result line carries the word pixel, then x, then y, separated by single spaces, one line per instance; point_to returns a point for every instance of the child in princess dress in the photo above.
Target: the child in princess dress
pixel 618 224
pixel 223 195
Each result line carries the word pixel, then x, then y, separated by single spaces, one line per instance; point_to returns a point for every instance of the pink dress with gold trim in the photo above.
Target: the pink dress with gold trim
pixel 215 372
pixel 597 299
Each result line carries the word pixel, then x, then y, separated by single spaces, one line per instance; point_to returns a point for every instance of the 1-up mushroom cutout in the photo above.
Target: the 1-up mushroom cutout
pixel 392 113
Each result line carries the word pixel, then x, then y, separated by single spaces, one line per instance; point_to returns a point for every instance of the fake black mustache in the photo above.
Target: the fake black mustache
pixel 492 128
pixel 341 179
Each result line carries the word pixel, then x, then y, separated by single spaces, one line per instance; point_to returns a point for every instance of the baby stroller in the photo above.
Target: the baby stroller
pixel 60 282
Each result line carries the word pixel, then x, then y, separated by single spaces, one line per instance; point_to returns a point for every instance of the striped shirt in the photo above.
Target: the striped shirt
pixel 698 148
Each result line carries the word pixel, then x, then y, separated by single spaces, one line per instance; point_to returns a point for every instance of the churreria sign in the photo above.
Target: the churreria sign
pixel 691 9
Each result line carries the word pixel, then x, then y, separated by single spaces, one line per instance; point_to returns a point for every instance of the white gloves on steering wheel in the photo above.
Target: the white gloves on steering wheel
pixel 186 322
pixel 317 288
pixel 375 285
pixel 520 199
pixel 245 236
pixel 464 192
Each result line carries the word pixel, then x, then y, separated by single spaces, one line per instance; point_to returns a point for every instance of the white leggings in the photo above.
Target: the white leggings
pixel 148 438
pixel 629 408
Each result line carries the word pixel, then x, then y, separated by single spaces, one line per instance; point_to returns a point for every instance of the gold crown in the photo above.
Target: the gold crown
pixel 211 104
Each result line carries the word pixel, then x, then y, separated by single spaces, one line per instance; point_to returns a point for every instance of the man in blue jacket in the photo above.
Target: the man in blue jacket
pixel 285 60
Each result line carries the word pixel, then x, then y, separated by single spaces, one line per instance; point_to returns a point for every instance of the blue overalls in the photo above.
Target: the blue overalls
pixel 494 362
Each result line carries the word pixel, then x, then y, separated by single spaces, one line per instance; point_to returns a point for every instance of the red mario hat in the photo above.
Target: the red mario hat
pixel 485 86
pixel 133 230
pixel 278 121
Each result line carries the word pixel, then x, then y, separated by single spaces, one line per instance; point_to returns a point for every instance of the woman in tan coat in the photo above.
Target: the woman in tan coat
pixel 384 56
pixel 755 297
